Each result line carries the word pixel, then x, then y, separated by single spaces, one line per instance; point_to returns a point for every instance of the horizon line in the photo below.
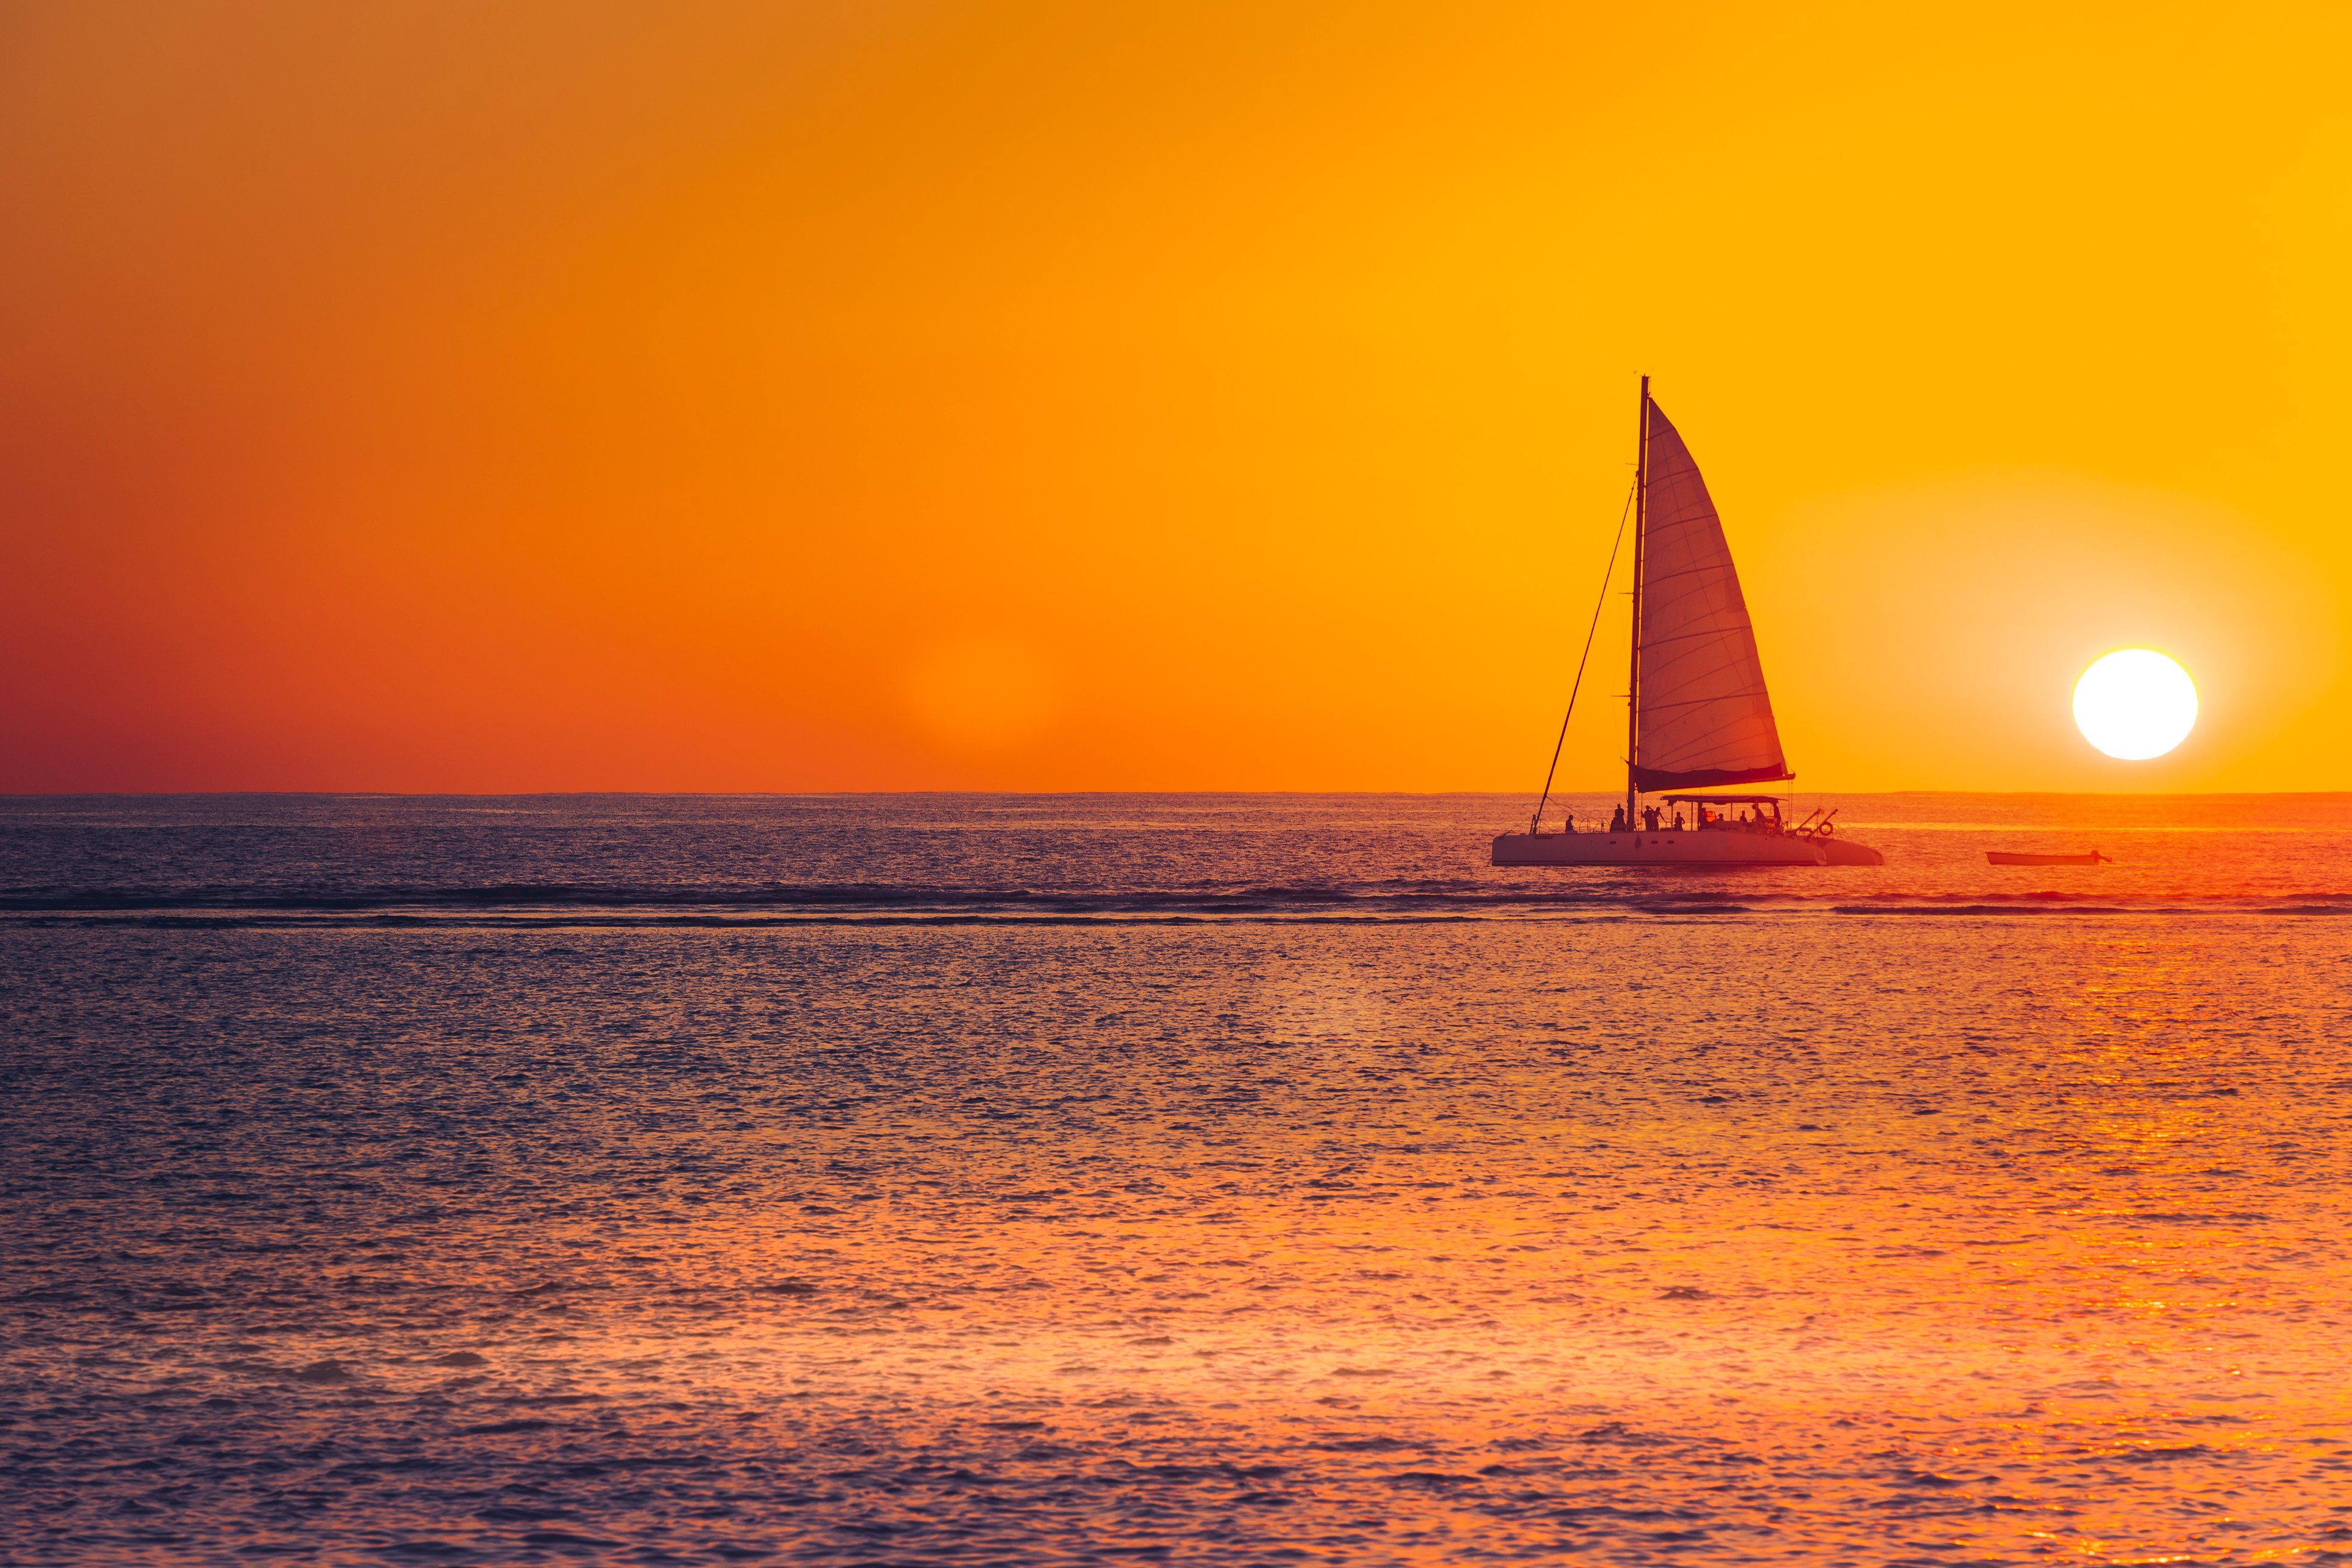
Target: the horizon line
pixel 1610 792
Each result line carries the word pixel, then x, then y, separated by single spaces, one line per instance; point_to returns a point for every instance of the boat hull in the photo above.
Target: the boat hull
pixel 1671 848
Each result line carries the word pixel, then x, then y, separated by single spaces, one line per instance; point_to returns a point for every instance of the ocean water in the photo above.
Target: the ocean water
pixel 1186 1179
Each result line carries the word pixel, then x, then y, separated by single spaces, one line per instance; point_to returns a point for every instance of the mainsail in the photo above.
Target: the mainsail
pixel 1704 717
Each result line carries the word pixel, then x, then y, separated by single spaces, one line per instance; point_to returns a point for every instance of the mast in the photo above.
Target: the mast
pixel 1634 676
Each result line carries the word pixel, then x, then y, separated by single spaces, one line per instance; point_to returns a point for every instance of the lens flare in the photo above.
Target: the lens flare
pixel 2136 704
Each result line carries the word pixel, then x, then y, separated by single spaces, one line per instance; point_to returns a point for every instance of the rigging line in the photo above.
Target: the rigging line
pixel 1537 822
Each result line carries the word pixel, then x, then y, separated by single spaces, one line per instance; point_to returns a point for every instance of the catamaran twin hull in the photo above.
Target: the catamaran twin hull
pixel 1687 848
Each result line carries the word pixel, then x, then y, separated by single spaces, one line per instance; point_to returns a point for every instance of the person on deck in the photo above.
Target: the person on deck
pixel 1650 817
pixel 1678 819
pixel 1617 820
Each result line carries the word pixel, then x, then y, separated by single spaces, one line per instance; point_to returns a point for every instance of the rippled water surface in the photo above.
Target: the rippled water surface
pixel 1211 1179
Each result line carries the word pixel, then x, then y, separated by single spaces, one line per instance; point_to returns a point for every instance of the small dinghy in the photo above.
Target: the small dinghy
pixel 2011 857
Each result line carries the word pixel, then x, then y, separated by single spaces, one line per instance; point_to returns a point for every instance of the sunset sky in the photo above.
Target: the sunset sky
pixel 705 396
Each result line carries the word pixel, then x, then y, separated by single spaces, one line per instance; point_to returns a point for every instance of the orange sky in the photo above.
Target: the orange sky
pixel 1068 395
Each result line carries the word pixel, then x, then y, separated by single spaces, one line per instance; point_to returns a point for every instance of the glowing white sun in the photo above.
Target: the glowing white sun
pixel 2136 704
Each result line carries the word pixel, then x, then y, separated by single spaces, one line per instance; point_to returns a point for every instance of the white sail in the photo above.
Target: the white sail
pixel 1704 718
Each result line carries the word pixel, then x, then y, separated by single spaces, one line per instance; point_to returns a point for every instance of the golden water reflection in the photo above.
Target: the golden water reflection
pixel 1421 1245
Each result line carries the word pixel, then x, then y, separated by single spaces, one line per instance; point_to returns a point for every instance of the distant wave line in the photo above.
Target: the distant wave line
pixel 1673 892
pixel 1596 910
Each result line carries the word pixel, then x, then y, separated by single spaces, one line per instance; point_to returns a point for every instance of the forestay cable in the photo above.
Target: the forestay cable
pixel 1534 824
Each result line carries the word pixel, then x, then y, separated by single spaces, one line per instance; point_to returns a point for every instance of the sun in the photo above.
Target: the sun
pixel 2136 704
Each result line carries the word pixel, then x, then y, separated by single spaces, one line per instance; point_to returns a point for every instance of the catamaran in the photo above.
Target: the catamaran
pixel 1698 718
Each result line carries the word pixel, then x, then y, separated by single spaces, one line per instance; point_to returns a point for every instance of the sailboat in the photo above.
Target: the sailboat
pixel 1698 719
